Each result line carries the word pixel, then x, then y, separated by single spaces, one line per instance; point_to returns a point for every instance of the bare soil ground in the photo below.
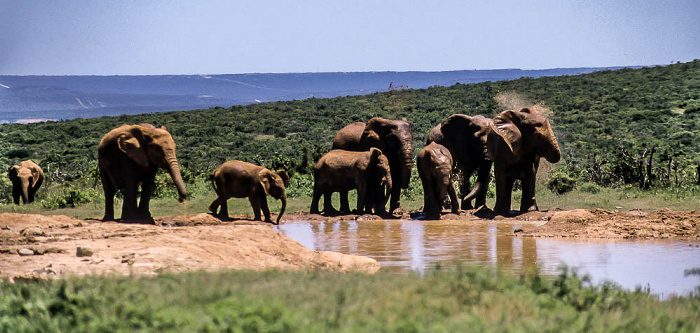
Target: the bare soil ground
pixel 600 223
pixel 46 246
pixel 174 244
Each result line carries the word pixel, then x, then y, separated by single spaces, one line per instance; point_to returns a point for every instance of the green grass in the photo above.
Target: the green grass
pixel 459 300
pixel 627 198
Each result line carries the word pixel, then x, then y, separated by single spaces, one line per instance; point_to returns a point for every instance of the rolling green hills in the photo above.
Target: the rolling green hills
pixel 607 124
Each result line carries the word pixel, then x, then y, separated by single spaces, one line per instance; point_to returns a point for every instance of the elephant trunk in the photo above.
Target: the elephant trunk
pixel 174 170
pixel 283 198
pixel 387 194
pixel 25 190
pixel 552 153
pixel 406 165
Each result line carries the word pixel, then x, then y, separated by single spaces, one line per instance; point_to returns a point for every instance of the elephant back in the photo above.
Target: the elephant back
pixel 349 137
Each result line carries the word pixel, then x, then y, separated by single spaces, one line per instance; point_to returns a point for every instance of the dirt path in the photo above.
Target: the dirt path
pixel 46 246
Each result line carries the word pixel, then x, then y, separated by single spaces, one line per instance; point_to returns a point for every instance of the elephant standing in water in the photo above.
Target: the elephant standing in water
pixel 465 137
pixel 129 156
pixel 393 138
pixel 516 142
pixel 238 179
pixel 435 170
pixel 26 179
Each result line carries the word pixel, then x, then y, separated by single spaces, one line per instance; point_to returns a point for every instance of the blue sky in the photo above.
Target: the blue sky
pixel 275 36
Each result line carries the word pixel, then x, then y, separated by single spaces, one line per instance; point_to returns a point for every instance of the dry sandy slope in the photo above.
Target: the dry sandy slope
pixel 195 242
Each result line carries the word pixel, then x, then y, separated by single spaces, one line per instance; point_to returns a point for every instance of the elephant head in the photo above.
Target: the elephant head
pixel 26 177
pixel 394 139
pixel 149 146
pixel 381 174
pixel 274 184
pixel 522 132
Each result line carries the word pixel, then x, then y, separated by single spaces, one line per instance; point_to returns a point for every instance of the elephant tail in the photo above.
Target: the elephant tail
pixel 213 183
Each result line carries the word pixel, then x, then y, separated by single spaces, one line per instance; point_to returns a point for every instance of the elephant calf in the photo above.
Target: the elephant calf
pixel 26 179
pixel 435 171
pixel 238 179
pixel 342 171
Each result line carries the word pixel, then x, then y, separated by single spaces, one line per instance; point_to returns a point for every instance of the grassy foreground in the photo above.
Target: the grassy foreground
pixel 459 300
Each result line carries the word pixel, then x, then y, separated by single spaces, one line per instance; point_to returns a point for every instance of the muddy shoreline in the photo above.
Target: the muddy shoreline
pixel 46 246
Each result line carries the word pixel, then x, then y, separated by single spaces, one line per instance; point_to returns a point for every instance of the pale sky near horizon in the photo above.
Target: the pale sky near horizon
pixel 83 37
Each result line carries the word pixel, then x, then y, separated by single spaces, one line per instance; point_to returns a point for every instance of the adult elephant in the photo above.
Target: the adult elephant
pixel 341 171
pixel 129 156
pixel 238 179
pixel 26 179
pixel 465 137
pixel 393 138
pixel 516 142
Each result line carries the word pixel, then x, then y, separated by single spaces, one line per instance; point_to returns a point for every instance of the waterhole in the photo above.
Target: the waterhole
pixel 420 246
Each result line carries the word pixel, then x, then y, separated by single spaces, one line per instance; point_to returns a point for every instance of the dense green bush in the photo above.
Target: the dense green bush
pixel 560 182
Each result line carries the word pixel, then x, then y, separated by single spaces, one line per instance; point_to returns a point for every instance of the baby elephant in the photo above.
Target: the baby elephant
pixel 435 171
pixel 26 179
pixel 238 179
pixel 342 170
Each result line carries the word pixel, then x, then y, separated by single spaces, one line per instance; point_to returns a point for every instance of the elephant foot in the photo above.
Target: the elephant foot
pixel 108 218
pixel 484 212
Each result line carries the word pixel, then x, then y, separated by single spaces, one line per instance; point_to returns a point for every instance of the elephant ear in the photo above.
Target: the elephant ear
pixel 264 176
pixel 373 133
pixel 36 173
pixel 129 143
pixel 506 125
pixel 285 177
pixel 12 172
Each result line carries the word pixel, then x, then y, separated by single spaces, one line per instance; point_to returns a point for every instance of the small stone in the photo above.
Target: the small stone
pixel 25 252
pixel 32 232
pixel 84 251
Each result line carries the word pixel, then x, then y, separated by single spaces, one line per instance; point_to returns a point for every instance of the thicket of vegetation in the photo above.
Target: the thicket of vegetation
pixel 628 126
pixel 461 300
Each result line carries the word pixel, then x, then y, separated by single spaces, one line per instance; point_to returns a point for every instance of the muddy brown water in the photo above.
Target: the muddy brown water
pixel 408 245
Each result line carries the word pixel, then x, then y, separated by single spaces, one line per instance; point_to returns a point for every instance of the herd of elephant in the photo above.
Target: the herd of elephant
pixel 374 158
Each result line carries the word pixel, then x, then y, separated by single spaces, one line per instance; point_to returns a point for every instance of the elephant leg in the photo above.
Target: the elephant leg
pixel 129 207
pixel 146 192
pixel 395 201
pixel 344 202
pixel 483 180
pixel 110 191
pixel 265 208
pixel 314 201
pixel 528 201
pixel 429 201
pixel 453 197
pixel 504 187
pixel 16 194
pixel 255 202
pixel 465 188
pixel 30 195
pixel 361 195
pixel 223 212
pixel 214 207
pixel 328 203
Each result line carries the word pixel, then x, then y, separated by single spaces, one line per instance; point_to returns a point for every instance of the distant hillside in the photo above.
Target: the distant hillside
pixel 28 98
pixel 607 123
